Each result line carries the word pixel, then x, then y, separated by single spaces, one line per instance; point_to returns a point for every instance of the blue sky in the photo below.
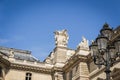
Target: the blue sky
pixel 29 24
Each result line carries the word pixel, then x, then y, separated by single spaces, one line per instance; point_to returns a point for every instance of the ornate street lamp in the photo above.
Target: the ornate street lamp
pixel 103 51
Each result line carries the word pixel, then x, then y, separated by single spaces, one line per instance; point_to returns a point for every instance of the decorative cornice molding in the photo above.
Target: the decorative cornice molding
pixel 3 61
pixel 74 59
pixel 115 34
pixel 58 47
pixel 58 69
pixel 30 68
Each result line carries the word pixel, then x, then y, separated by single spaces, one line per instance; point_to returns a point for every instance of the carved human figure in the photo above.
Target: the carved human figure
pixel 11 54
pixel 48 60
pixel 61 38
pixel 84 43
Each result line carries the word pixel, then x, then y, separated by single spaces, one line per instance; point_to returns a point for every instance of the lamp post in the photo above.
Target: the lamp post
pixel 103 51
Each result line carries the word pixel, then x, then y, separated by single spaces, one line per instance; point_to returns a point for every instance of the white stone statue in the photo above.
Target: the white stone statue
pixel 48 60
pixel 11 53
pixel 61 38
pixel 84 43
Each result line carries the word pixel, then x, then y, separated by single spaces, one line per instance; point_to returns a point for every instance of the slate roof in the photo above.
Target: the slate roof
pixel 18 54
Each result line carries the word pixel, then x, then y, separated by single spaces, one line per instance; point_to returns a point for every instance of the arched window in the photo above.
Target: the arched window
pixel 28 76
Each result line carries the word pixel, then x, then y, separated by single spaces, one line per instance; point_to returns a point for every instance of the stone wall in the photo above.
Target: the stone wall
pixel 20 75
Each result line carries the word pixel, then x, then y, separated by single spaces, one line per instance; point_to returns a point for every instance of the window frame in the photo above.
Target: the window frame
pixel 28 76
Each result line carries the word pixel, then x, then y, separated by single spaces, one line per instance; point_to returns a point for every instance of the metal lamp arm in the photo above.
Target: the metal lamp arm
pixel 95 61
pixel 115 61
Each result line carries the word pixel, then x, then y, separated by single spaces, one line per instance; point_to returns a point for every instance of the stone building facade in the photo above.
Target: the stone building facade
pixel 62 63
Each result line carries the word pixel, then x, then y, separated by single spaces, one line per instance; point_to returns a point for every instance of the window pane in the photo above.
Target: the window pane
pixel 28 76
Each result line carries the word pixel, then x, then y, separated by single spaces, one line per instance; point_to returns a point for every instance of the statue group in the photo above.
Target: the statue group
pixel 61 38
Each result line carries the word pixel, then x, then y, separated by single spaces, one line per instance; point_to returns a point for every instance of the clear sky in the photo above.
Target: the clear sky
pixel 29 24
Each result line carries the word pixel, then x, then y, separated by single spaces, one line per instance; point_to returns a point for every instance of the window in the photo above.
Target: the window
pixel 28 76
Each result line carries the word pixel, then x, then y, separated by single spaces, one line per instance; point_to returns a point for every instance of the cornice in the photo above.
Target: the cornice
pixel 82 48
pixel 3 61
pixel 57 69
pixel 116 34
pixel 30 68
pixel 74 59
pixel 59 47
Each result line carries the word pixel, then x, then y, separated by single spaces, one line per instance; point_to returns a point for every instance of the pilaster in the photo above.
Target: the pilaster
pixel 84 72
pixel 60 54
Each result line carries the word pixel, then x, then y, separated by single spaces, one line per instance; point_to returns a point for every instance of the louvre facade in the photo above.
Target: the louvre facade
pixel 62 63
